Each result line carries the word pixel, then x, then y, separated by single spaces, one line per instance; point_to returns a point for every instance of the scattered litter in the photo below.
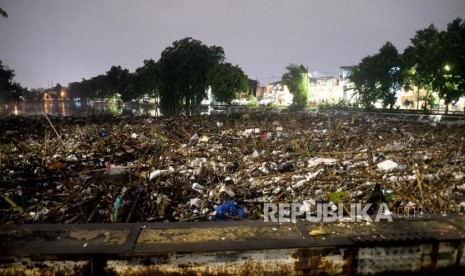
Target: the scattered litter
pixel 198 188
pixel 204 139
pixel 318 232
pixel 387 165
pixel 195 137
pixel 104 133
pixel 134 169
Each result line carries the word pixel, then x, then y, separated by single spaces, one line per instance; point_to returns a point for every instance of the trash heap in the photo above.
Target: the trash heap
pixel 222 167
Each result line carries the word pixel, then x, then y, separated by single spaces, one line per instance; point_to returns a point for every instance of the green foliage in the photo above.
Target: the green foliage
pixel 117 80
pixel 338 197
pixel 450 80
pixel 226 82
pixel 145 81
pixel 390 197
pixel 378 77
pixel 252 101
pixel 435 61
pixel 100 87
pixel 296 78
pixel 7 152
pixel 388 73
pixel 365 82
pixel 341 104
pixel 421 60
pixel 179 78
pixel 183 73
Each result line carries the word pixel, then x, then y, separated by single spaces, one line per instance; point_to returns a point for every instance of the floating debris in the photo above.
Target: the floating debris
pixel 138 169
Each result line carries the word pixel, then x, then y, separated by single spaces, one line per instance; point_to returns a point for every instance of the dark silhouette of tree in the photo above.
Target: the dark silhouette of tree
pixel 421 62
pixel 366 84
pixel 226 82
pixel 387 73
pixel 3 13
pixel 183 73
pixel 145 81
pixel 74 90
pixel 378 77
pixel 450 80
pixel 117 81
pixel 9 90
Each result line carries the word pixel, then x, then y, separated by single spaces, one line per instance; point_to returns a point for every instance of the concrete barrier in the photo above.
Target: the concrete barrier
pixel 422 245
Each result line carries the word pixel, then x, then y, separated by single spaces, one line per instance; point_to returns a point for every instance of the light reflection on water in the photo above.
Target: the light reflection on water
pixel 78 108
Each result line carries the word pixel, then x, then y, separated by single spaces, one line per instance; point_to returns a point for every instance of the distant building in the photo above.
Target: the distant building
pixel 253 86
pixel 323 87
pixel 331 88
pixel 274 93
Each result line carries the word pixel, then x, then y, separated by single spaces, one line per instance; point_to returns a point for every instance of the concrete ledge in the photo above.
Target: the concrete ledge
pixel 422 245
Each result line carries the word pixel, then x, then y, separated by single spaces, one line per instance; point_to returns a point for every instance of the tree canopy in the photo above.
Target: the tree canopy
pixel 3 13
pixel 9 90
pixel 421 60
pixel 434 61
pixel 183 73
pixel 388 73
pixel 296 78
pixel 179 78
pixel 450 78
pixel 378 77
pixel 145 81
pixel 226 81
pixel 365 81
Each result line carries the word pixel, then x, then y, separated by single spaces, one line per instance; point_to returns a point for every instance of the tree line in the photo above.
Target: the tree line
pixel 434 61
pixel 180 78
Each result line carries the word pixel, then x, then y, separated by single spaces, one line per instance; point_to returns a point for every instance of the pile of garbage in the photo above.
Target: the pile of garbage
pixel 224 167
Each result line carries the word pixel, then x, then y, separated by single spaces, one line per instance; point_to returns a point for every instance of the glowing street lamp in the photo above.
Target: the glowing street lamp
pixel 447 67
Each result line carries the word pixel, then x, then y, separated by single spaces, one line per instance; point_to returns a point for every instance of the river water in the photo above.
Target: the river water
pixel 79 108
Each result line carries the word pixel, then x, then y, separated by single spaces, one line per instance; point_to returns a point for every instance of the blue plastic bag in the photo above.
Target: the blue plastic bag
pixel 103 133
pixel 229 210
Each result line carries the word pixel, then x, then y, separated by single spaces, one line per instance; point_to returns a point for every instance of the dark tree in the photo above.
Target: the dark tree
pixel 450 80
pixel 366 84
pixel 74 90
pixel 100 86
pixel 226 81
pixel 421 62
pixel 388 74
pixel 117 80
pixel 3 13
pixel 8 89
pixel 183 73
pixel 146 80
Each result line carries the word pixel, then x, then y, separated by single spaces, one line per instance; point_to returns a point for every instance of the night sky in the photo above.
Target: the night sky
pixel 61 41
